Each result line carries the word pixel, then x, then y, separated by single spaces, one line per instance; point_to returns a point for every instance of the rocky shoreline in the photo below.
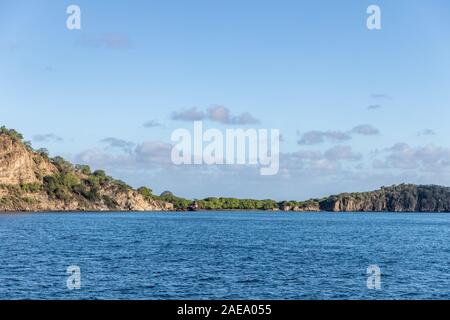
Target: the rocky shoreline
pixel 31 181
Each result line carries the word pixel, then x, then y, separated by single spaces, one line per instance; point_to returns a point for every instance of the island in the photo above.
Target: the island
pixel 32 181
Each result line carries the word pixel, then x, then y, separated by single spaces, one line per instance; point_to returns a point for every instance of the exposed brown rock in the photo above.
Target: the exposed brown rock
pixel 401 198
pixel 23 176
pixel 19 165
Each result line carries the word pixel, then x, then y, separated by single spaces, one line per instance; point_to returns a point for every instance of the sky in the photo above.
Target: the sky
pixel 356 108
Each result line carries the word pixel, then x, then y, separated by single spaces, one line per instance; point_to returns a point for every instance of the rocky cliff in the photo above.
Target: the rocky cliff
pixel 31 181
pixel 401 198
pixel 20 166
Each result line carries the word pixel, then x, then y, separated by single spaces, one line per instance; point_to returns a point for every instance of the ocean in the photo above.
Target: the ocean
pixel 224 255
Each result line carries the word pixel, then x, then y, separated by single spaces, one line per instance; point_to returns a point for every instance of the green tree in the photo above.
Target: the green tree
pixel 145 192
pixel 84 169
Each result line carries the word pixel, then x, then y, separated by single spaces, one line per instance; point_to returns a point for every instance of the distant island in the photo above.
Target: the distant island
pixel 31 181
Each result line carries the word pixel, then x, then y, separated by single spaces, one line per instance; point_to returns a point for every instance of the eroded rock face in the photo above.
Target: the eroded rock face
pixel 31 202
pixel 18 165
pixel 23 173
pixel 30 181
pixel 312 207
pixel 401 198
pixel 131 200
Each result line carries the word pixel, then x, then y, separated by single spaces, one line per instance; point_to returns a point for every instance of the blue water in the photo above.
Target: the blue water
pixel 226 255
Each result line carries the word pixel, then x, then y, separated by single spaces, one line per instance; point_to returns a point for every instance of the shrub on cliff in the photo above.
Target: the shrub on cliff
pixel 178 203
pixel 13 134
pixel 30 187
pixel 145 192
pixel 84 169
pixel 236 204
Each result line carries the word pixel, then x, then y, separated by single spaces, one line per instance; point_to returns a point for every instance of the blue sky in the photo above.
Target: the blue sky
pixel 310 68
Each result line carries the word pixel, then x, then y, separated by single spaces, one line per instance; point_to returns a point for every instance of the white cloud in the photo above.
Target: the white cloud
pixel 426 132
pixel 215 113
pixel 380 96
pixel 152 124
pixel 365 130
pixel 192 114
pixel 48 137
pixel 223 115
pixel 123 145
pixel 316 137
pixel 342 153
pixel 424 158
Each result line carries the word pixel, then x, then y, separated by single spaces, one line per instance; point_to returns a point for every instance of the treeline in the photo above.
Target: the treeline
pixel 236 204
pixel 210 203
pixel 398 198
pixel 88 186
pixel 80 180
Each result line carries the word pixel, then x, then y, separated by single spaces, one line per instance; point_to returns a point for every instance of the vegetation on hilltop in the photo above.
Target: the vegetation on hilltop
pixel 62 186
pixel 397 198
pixel 236 204
pixel 55 184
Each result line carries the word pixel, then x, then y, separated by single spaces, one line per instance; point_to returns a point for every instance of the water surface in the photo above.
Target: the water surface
pixel 224 255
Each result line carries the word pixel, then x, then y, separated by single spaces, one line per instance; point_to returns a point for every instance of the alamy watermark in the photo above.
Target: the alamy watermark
pixel 74 278
pixel 374 20
pixel 235 147
pixel 73 21
pixel 373 277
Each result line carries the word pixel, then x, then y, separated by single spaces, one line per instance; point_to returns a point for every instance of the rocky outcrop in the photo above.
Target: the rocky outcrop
pixel 31 181
pixel 401 198
pixel 300 207
pixel 18 165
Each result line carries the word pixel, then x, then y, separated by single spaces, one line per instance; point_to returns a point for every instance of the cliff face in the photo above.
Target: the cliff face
pixel 31 181
pixel 309 206
pixel 18 165
pixel 18 200
pixel 401 198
